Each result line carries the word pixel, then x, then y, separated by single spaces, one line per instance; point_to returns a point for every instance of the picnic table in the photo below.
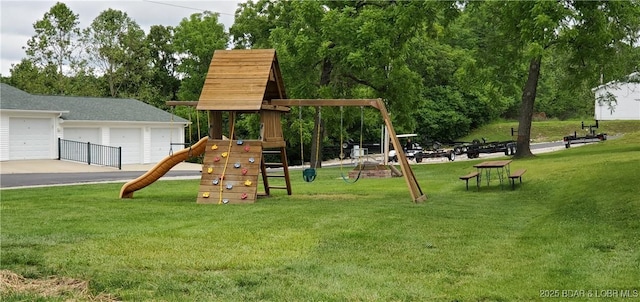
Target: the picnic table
pixel 501 167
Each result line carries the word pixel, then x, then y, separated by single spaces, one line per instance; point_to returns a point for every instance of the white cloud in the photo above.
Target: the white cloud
pixel 18 17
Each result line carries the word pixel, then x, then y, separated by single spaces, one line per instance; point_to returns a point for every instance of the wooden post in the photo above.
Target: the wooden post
pixel 215 124
pixel 409 177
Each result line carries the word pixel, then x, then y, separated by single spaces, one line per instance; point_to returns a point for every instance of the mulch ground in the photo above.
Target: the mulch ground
pixel 61 287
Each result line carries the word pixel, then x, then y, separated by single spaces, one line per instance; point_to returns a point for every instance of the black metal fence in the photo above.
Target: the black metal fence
pixel 90 153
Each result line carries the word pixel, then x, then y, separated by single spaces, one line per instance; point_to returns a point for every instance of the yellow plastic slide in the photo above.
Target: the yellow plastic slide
pixel 162 168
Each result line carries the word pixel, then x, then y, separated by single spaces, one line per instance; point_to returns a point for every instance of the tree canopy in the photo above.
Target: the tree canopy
pixel 443 68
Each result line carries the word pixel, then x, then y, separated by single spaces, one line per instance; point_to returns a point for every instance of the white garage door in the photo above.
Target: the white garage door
pixel 130 139
pixel 31 138
pixel 91 135
pixel 161 139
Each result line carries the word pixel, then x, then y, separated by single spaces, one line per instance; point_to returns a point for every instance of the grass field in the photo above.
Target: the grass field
pixel 571 230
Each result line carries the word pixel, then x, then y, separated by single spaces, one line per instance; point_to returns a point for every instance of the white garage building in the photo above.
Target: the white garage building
pixel 30 126
pixel 618 100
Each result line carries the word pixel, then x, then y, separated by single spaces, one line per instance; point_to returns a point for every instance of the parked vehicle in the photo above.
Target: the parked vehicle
pixel 413 151
pixel 451 150
pixel 589 138
pixel 476 147
pixel 436 150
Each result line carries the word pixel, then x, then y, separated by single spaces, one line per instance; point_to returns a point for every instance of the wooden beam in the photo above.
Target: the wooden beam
pixel 414 187
pixel 327 102
pixel 266 106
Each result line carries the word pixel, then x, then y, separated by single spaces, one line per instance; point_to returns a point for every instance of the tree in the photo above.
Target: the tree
pixel 195 40
pixel 456 94
pixel 115 44
pixel 55 42
pixel 28 77
pixel 163 64
pixel 331 49
pixel 591 31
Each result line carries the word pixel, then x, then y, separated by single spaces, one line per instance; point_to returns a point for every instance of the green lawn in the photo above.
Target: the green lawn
pixel 573 225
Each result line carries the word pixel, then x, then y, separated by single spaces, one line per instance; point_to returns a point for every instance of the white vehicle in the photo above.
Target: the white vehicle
pixel 414 152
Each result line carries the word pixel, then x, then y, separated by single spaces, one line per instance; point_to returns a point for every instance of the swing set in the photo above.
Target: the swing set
pixel 414 188
pixel 250 81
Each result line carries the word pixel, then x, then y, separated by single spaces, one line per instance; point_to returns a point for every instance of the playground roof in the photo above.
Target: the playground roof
pixel 239 80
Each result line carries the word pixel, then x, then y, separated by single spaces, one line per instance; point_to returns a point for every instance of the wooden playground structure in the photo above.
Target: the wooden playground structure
pixel 250 81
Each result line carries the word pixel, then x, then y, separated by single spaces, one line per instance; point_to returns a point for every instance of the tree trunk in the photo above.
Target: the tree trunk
pixel 318 129
pixel 110 77
pixel 523 144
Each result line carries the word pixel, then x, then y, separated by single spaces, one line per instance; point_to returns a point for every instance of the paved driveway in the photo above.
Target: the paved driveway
pixel 32 173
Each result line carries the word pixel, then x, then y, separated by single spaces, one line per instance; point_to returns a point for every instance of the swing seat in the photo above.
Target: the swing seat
pixel 309 174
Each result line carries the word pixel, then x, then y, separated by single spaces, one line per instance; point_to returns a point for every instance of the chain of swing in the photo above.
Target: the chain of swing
pixel 189 130
pixel 359 155
pixel 309 174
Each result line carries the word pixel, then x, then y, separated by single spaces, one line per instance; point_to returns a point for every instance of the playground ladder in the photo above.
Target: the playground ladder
pixel 268 174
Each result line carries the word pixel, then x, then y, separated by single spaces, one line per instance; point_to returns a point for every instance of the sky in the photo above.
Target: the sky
pixel 17 18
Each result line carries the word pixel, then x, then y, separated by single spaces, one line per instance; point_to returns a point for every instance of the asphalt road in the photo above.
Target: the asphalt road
pixel 18 180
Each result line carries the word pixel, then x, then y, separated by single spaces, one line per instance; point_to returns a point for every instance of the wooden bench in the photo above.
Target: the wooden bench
pixel 517 174
pixel 470 176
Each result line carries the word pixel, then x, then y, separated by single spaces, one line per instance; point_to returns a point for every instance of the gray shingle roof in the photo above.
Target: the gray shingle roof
pixel 84 108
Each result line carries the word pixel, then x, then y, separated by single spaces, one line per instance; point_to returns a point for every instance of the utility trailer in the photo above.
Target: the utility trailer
pixel 451 150
pixel 592 137
pixel 474 148
pixel 413 151
pixel 435 151
pixel 419 154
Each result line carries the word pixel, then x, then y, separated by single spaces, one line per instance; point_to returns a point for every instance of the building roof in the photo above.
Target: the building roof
pixel 240 79
pixel 84 108
pixel 631 78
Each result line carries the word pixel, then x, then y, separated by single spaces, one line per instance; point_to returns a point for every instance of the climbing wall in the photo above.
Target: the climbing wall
pixel 230 172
